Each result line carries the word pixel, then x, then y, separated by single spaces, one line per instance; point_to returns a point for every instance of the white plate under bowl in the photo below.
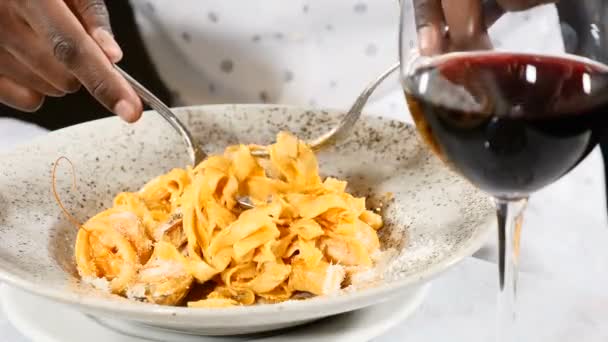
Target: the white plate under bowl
pixel 434 220
pixel 43 320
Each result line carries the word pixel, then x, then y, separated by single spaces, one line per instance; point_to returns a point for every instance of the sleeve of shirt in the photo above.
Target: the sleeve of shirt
pixel 583 24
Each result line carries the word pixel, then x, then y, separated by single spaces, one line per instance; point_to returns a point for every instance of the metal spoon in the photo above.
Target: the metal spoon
pixel 197 155
pixel 342 129
pixel 195 151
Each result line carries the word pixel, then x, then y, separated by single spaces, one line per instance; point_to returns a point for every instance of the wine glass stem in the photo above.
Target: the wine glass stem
pixel 510 215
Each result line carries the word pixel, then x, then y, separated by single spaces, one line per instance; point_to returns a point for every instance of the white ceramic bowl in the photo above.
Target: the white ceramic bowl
pixel 435 219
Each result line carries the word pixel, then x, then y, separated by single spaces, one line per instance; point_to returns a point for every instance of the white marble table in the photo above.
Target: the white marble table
pixel 564 260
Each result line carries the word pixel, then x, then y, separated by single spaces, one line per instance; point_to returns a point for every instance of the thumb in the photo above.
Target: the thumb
pixel 465 18
pixel 95 18
pixel 430 25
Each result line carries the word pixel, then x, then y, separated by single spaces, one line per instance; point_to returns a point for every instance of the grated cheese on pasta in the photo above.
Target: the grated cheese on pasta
pixel 183 239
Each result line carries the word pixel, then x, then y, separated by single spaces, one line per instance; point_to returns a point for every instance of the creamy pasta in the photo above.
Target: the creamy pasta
pixel 183 239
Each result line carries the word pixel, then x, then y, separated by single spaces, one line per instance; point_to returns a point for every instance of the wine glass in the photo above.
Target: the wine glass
pixel 510 120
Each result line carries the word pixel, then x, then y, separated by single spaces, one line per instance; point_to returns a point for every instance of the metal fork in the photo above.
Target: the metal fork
pixel 197 154
pixel 342 130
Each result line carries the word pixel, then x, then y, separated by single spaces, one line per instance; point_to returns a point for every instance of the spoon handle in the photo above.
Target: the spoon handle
pixel 196 154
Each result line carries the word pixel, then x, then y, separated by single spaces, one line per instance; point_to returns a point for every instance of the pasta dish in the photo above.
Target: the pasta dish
pixel 184 240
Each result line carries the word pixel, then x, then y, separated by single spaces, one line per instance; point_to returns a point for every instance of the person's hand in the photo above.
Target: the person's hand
pixel 51 47
pixel 447 25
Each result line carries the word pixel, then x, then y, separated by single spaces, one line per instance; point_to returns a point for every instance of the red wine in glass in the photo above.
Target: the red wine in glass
pixel 511 124
pixel 519 123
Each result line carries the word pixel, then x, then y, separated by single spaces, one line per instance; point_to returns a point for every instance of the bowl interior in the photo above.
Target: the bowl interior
pixel 433 218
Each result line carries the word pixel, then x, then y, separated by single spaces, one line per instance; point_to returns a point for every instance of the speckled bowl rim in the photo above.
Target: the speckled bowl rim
pixel 356 299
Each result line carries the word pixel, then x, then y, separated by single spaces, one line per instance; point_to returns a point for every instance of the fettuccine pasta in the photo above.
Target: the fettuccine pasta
pixel 183 238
